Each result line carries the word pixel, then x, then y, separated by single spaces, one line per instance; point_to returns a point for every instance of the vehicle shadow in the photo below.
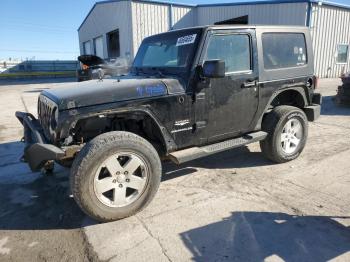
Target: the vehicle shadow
pixel 42 204
pixel 235 158
pixel 33 201
pixel 331 108
pixel 256 236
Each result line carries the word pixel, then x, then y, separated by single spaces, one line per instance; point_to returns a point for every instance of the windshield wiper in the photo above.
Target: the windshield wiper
pixel 150 71
pixel 158 71
pixel 139 70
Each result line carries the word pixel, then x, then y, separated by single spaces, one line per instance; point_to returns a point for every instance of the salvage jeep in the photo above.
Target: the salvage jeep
pixel 190 93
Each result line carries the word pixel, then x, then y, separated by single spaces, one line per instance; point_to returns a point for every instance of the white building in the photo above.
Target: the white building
pixel 116 28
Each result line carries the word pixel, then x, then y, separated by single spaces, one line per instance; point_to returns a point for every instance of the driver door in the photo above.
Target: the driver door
pixel 230 102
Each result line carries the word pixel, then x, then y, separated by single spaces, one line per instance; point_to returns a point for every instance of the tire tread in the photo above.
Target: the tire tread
pixel 86 155
pixel 271 124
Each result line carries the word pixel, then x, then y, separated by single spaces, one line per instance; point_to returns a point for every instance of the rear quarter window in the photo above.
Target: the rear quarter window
pixel 284 50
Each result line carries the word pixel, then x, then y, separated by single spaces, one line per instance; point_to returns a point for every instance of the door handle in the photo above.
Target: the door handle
pixel 249 84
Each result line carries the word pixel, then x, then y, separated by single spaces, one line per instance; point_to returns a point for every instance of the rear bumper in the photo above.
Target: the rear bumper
pixel 313 111
pixel 37 152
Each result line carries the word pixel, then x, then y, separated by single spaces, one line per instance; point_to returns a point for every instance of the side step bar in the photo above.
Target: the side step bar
pixel 192 153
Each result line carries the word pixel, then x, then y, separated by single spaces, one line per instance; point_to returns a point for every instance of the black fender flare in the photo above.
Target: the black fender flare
pixel 68 125
pixel 299 89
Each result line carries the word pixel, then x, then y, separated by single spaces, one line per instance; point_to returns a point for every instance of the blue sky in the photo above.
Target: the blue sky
pixel 46 29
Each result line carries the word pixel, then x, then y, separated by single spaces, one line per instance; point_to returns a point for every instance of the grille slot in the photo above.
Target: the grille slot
pixel 46 109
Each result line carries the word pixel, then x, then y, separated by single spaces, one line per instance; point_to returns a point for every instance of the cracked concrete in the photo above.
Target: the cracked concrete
pixel 234 206
pixel 212 209
pixel 135 242
pixel 38 219
pixel 4 250
pixel 154 237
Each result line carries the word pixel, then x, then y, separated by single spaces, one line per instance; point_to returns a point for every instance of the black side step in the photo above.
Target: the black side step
pixel 192 153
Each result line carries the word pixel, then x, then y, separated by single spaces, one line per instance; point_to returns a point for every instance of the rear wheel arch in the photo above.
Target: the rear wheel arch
pixel 292 97
pixel 299 100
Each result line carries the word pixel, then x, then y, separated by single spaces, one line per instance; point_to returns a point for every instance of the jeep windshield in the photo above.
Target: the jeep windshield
pixel 171 52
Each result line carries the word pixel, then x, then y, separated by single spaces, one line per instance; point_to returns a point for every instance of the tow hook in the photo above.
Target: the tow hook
pixel 48 168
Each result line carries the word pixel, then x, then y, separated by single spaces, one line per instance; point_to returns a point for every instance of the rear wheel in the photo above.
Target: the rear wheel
pixel 287 129
pixel 115 176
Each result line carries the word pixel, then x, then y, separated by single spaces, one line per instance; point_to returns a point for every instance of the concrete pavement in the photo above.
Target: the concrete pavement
pixel 234 206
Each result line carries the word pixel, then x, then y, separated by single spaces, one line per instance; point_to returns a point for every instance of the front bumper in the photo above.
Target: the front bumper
pixel 37 151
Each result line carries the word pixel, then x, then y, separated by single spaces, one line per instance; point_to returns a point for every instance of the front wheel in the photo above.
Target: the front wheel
pixel 287 129
pixel 115 176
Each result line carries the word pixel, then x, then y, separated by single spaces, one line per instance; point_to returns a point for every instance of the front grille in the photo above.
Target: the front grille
pixel 46 112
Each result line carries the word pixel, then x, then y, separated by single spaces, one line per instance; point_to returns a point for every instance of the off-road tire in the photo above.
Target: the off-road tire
pixel 273 123
pixel 87 162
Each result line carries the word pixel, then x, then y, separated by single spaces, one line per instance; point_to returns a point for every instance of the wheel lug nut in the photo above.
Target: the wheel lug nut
pixel 126 172
pixel 114 181
pixel 118 173
pixel 127 180
pixel 120 185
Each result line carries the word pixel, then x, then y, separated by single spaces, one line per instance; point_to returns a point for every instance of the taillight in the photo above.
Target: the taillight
pixel 316 80
pixel 85 67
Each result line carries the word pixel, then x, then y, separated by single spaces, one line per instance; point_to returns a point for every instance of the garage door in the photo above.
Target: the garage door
pixel 87 48
pixel 98 45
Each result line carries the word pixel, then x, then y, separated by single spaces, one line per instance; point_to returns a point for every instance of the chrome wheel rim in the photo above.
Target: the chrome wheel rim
pixel 121 179
pixel 291 136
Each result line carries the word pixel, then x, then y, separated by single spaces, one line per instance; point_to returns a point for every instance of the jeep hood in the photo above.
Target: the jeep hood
pixel 96 92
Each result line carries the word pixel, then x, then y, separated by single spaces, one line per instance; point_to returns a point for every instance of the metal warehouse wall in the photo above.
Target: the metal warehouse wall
pixel 153 18
pixel 105 18
pixel 329 26
pixel 139 19
pixel 148 19
pixel 273 14
pixel 183 17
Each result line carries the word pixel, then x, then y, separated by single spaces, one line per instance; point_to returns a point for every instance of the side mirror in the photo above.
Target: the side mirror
pixel 214 68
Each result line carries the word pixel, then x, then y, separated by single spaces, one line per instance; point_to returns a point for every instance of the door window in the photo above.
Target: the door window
pixel 233 49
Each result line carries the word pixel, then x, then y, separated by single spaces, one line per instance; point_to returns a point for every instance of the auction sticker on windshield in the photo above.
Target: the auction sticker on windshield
pixel 186 40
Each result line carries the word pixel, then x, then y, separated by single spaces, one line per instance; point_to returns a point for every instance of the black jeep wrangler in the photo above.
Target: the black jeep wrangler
pixel 190 93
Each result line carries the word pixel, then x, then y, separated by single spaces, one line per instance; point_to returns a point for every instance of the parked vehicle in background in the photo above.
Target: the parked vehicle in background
pixel 87 64
pixel 94 67
pixel 190 93
pixel 343 96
